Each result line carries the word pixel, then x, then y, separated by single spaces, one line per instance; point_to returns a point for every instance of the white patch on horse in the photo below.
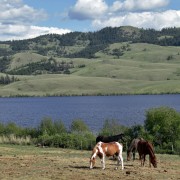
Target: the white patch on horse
pixel 100 149
pixel 95 154
pixel 106 151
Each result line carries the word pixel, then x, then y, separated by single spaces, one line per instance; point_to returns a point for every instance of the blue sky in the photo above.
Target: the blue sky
pixel 22 19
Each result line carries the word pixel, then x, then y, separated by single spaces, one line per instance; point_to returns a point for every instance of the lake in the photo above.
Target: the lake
pixel 93 110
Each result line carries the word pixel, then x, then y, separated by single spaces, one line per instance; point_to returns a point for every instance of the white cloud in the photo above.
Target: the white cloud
pixel 17 21
pixel 18 32
pixel 14 11
pixel 138 13
pixel 138 5
pixel 88 9
pixel 156 20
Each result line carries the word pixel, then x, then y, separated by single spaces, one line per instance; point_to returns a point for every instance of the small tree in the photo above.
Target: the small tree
pixel 112 127
pixel 79 126
pixel 47 127
pixel 59 127
pixel 163 124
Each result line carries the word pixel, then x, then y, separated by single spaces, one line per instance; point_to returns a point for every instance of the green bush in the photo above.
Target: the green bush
pixel 112 127
pixel 47 126
pixel 68 140
pixel 163 124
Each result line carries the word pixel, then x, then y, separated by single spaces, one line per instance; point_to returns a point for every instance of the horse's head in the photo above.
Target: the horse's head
pixel 93 156
pixel 92 162
pixel 154 161
pixel 128 155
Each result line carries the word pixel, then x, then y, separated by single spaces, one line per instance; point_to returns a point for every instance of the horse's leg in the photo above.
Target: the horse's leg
pixel 120 159
pixel 141 159
pixel 134 153
pixel 144 159
pixel 103 162
pixel 149 161
pixel 122 162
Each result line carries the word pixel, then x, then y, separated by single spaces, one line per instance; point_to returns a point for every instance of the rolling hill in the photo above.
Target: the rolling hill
pixel 112 61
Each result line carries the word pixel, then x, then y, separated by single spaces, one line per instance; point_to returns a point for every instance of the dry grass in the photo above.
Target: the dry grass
pixel 27 162
pixel 12 139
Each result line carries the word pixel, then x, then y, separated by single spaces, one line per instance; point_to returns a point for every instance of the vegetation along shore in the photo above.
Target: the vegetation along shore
pixel 51 151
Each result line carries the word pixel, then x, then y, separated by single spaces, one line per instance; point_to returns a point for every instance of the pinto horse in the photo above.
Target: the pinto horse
pixel 133 148
pixel 107 149
pixel 144 148
pixel 107 139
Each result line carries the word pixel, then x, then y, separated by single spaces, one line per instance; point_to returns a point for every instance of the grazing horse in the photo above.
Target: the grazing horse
pixel 107 139
pixel 133 148
pixel 107 149
pixel 144 148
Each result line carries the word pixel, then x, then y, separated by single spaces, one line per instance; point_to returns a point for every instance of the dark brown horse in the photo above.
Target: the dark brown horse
pixel 133 148
pixel 107 139
pixel 144 148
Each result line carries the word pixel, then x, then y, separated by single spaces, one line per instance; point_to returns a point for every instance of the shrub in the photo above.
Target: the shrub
pixel 163 124
pixel 67 140
pixel 13 139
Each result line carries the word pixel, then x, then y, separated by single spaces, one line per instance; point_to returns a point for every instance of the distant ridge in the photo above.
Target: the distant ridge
pixel 91 42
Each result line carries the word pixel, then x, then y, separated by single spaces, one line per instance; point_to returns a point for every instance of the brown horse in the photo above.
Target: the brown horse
pixel 107 149
pixel 133 148
pixel 144 148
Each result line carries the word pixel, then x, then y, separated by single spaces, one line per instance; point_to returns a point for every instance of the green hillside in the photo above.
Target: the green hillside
pixel 54 65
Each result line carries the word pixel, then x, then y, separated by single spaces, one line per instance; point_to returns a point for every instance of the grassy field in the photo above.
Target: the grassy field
pixel 58 85
pixel 28 162
pixel 145 69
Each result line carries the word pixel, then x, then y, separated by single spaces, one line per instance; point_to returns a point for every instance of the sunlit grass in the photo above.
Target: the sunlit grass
pixel 12 139
pixel 142 70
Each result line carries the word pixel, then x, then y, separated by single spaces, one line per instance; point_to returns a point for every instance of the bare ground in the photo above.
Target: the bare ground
pixel 27 162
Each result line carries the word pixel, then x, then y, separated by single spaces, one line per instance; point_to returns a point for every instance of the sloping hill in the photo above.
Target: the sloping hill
pixel 115 62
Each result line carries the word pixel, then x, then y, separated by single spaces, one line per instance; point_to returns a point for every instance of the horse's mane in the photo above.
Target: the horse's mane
pixel 151 149
pixel 134 143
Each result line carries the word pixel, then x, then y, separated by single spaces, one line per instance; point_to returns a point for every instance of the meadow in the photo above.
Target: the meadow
pixel 144 69
pixel 29 162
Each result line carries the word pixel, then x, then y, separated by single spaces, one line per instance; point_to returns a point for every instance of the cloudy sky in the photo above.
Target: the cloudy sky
pixel 22 19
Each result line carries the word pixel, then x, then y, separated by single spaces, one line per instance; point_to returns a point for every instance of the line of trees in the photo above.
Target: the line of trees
pixel 48 66
pixel 93 41
pixel 162 127
pixel 4 62
pixel 8 79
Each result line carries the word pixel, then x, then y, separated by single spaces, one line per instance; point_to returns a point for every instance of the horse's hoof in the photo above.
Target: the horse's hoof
pixel 116 168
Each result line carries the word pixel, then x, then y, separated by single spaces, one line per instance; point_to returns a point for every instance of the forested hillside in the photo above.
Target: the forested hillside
pixel 87 44
pixel 125 54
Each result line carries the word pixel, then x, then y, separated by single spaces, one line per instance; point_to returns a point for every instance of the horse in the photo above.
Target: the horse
pixel 133 148
pixel 144 148
pixel 107 149
pixel 107 139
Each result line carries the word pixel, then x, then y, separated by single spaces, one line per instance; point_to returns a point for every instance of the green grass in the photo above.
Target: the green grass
pixel 142 70
pixel 24 58
pixel 64 85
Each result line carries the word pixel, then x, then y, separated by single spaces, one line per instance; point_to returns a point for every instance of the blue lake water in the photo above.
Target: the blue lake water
pixel 93 110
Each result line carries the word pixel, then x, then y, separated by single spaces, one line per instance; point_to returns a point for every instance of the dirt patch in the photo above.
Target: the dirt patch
pixel 51 163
